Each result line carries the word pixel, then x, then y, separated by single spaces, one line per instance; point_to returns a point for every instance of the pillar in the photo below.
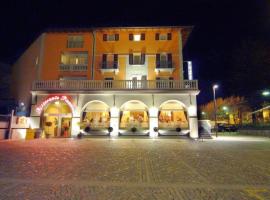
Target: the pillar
pixel 193 121
pixel 114 121
pixel 153 121
pixel 75 126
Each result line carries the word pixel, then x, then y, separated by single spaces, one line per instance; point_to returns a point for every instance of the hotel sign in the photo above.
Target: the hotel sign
pixel 52 99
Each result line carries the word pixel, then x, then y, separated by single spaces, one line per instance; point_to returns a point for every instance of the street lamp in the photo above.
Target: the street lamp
pixel 225 108
pixel 266 93
pixel 215 86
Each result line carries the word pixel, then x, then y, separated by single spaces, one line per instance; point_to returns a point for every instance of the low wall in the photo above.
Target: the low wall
pixel 254 132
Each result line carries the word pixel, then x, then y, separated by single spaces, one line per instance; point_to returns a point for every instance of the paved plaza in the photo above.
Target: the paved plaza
pixel 132 168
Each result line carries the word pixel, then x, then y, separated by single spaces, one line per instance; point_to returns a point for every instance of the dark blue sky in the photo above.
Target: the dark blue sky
pixel 221 29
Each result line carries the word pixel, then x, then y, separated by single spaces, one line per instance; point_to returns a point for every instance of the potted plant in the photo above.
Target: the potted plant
pixel 79 136
pixel 87 129
pixel 48 124
pixel 155 129
pixel 110 129
pixel 133 129
pixel 178 129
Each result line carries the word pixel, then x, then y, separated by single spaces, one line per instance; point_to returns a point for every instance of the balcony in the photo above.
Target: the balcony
pixel 73 67
pixel 109 67
pixel 115 85
pixel 164 66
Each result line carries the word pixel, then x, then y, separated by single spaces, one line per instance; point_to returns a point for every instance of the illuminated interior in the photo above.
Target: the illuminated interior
pixel 172 115
pixel 56 120
pixel 96 116
pixel 134 114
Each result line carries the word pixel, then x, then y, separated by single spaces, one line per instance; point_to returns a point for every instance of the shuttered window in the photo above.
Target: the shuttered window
pixel 110 37
pixel 137 59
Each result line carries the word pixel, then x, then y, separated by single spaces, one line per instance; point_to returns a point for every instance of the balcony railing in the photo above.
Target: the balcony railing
pixel 109 66
pixel 166 66
pixel 86 85
pixel 73 67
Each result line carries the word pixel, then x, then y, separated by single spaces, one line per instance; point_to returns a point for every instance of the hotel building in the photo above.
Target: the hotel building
pixel 126 79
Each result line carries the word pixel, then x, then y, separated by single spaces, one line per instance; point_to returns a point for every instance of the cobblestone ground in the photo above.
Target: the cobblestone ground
pixel 126 169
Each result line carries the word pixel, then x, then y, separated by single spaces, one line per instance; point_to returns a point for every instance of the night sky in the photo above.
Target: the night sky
pixel 229 36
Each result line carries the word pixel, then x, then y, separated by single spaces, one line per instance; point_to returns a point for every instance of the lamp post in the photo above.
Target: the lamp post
pixel 215 86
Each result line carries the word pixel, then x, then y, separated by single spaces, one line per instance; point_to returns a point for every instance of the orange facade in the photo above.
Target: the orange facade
pixel 55 44
pixel 41 61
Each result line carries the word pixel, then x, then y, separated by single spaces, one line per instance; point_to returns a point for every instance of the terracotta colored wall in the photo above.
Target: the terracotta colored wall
pixel 24 72
pixel 55 44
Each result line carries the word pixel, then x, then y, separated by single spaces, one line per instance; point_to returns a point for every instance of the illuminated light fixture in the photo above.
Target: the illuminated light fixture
pixel 215 86
pixel 190 74
pixel 57 102
pixel 203 113
pixel 266 93
pixel 225 108
pixel 137 37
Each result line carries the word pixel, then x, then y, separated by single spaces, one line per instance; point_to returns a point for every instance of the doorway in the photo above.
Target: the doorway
pixel 56 120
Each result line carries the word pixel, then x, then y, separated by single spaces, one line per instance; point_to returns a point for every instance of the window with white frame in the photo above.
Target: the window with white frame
pixel 74 58
pixel 110 37
pixel 75 41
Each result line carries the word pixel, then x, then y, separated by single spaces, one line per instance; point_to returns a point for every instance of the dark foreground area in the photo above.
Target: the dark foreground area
pixel 224 168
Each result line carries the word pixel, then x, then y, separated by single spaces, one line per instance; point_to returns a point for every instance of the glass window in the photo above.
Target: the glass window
pixel 137 37
pixel 75 41
pixel 163 37
pixel 136 58
pixel 75 58
pixel 111 37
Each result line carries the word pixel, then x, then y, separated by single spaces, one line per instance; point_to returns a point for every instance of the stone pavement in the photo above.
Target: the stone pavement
pixel 128 169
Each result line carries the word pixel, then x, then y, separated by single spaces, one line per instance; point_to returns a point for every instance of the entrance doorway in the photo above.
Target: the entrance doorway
pixel 56 120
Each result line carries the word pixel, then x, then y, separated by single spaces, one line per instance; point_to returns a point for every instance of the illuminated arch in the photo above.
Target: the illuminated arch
pixel 93 102
pixel 50 100
pixel 173 114
pixel 173 101
pixel 140 104
pixel 134 115
pixel 95 115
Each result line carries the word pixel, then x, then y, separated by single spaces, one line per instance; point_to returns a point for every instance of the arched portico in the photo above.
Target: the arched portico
pixel 56 119
pixel 173 117
pixel 134 117
pixel 95 116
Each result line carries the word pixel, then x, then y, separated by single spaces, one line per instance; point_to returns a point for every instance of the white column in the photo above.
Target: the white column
pixel 114 121
pixel 193 121
pixel 75 126
pixel 153 120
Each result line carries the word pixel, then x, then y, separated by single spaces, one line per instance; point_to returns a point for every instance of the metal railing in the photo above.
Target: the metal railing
pixel 164 65
pixel 73 67
pixel 108 65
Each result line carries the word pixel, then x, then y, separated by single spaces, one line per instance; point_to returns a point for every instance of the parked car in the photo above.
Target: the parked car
pixel 226 128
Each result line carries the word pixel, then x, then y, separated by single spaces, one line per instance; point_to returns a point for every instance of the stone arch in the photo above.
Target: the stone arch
pixel 134 114
pixel 95 116
pixel 173 116
pixel 56 118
